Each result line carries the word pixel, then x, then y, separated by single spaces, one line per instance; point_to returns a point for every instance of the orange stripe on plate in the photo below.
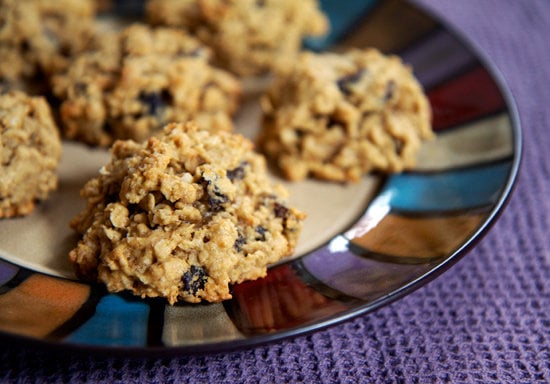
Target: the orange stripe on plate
pixel 380 30
pixel 40 304
pixel 416 239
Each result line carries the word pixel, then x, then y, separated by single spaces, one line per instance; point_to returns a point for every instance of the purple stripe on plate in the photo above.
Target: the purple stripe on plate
pixel 357 276
pixel 437 57
pixel 7 272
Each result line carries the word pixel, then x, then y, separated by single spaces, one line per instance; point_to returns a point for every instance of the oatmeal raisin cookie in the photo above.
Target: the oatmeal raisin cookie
pixel 339 116
pixel 137 81
pixel 30 149
pixel 38 37
pixel 182 216
pixel 249 37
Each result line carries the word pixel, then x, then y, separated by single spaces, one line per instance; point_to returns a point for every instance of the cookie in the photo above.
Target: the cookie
pixel 38 37
pixel 182 216
pixel 249 37
pixel 338 116
pixel 30 149
pixel 140 79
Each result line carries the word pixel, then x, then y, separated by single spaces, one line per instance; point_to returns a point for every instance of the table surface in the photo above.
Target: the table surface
pixel 485 320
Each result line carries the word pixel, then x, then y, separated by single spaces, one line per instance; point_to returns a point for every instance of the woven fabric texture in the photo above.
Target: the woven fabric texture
pixel 485 320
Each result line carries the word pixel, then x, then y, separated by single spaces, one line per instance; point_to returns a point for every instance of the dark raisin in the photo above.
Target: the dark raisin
pixel 112 193
pixel 300 133
pixel 390 90
pixel 237 173
pixel 111 198
pixel 261 233
pixel 239 242
pixel 65 50
pixel 155 102
pixel 194 279
pixel 216 199
pixel 260 3
pixel 334 122
pixel 25 46
pixel 5 86
pixel 280 210
pixel 133 209
pixel 345 82
pixel 399 146
pixel 80 89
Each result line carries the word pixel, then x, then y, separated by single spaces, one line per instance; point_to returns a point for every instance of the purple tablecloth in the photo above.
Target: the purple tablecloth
pixel 485 320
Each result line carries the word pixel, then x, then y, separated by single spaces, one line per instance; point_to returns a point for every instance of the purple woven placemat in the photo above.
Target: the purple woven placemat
pixel 485 320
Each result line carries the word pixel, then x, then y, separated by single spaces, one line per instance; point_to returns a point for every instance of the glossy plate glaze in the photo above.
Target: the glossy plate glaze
pixel 364 244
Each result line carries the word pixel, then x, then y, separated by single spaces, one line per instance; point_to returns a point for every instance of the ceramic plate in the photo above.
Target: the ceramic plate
pixel 363 246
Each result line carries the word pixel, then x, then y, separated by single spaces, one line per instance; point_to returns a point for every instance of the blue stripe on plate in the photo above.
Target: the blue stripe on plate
pixel 116 322
pixel 458 189
pixel 342 19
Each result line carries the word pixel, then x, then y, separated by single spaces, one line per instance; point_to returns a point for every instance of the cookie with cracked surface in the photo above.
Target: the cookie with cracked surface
pixel 182 216
pixel 249 37
pixel 38 37
pixel 30 149
pixel 140 79
pixel 339 116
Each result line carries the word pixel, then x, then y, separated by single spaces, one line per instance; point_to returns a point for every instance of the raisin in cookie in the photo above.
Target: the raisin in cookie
pixel 182 216
pixel 137 81
pixel 38 37
pixel 249 37
pixel 339 116
pixel 30 149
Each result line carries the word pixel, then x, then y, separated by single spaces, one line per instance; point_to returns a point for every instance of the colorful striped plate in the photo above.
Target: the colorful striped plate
pixel 368 245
